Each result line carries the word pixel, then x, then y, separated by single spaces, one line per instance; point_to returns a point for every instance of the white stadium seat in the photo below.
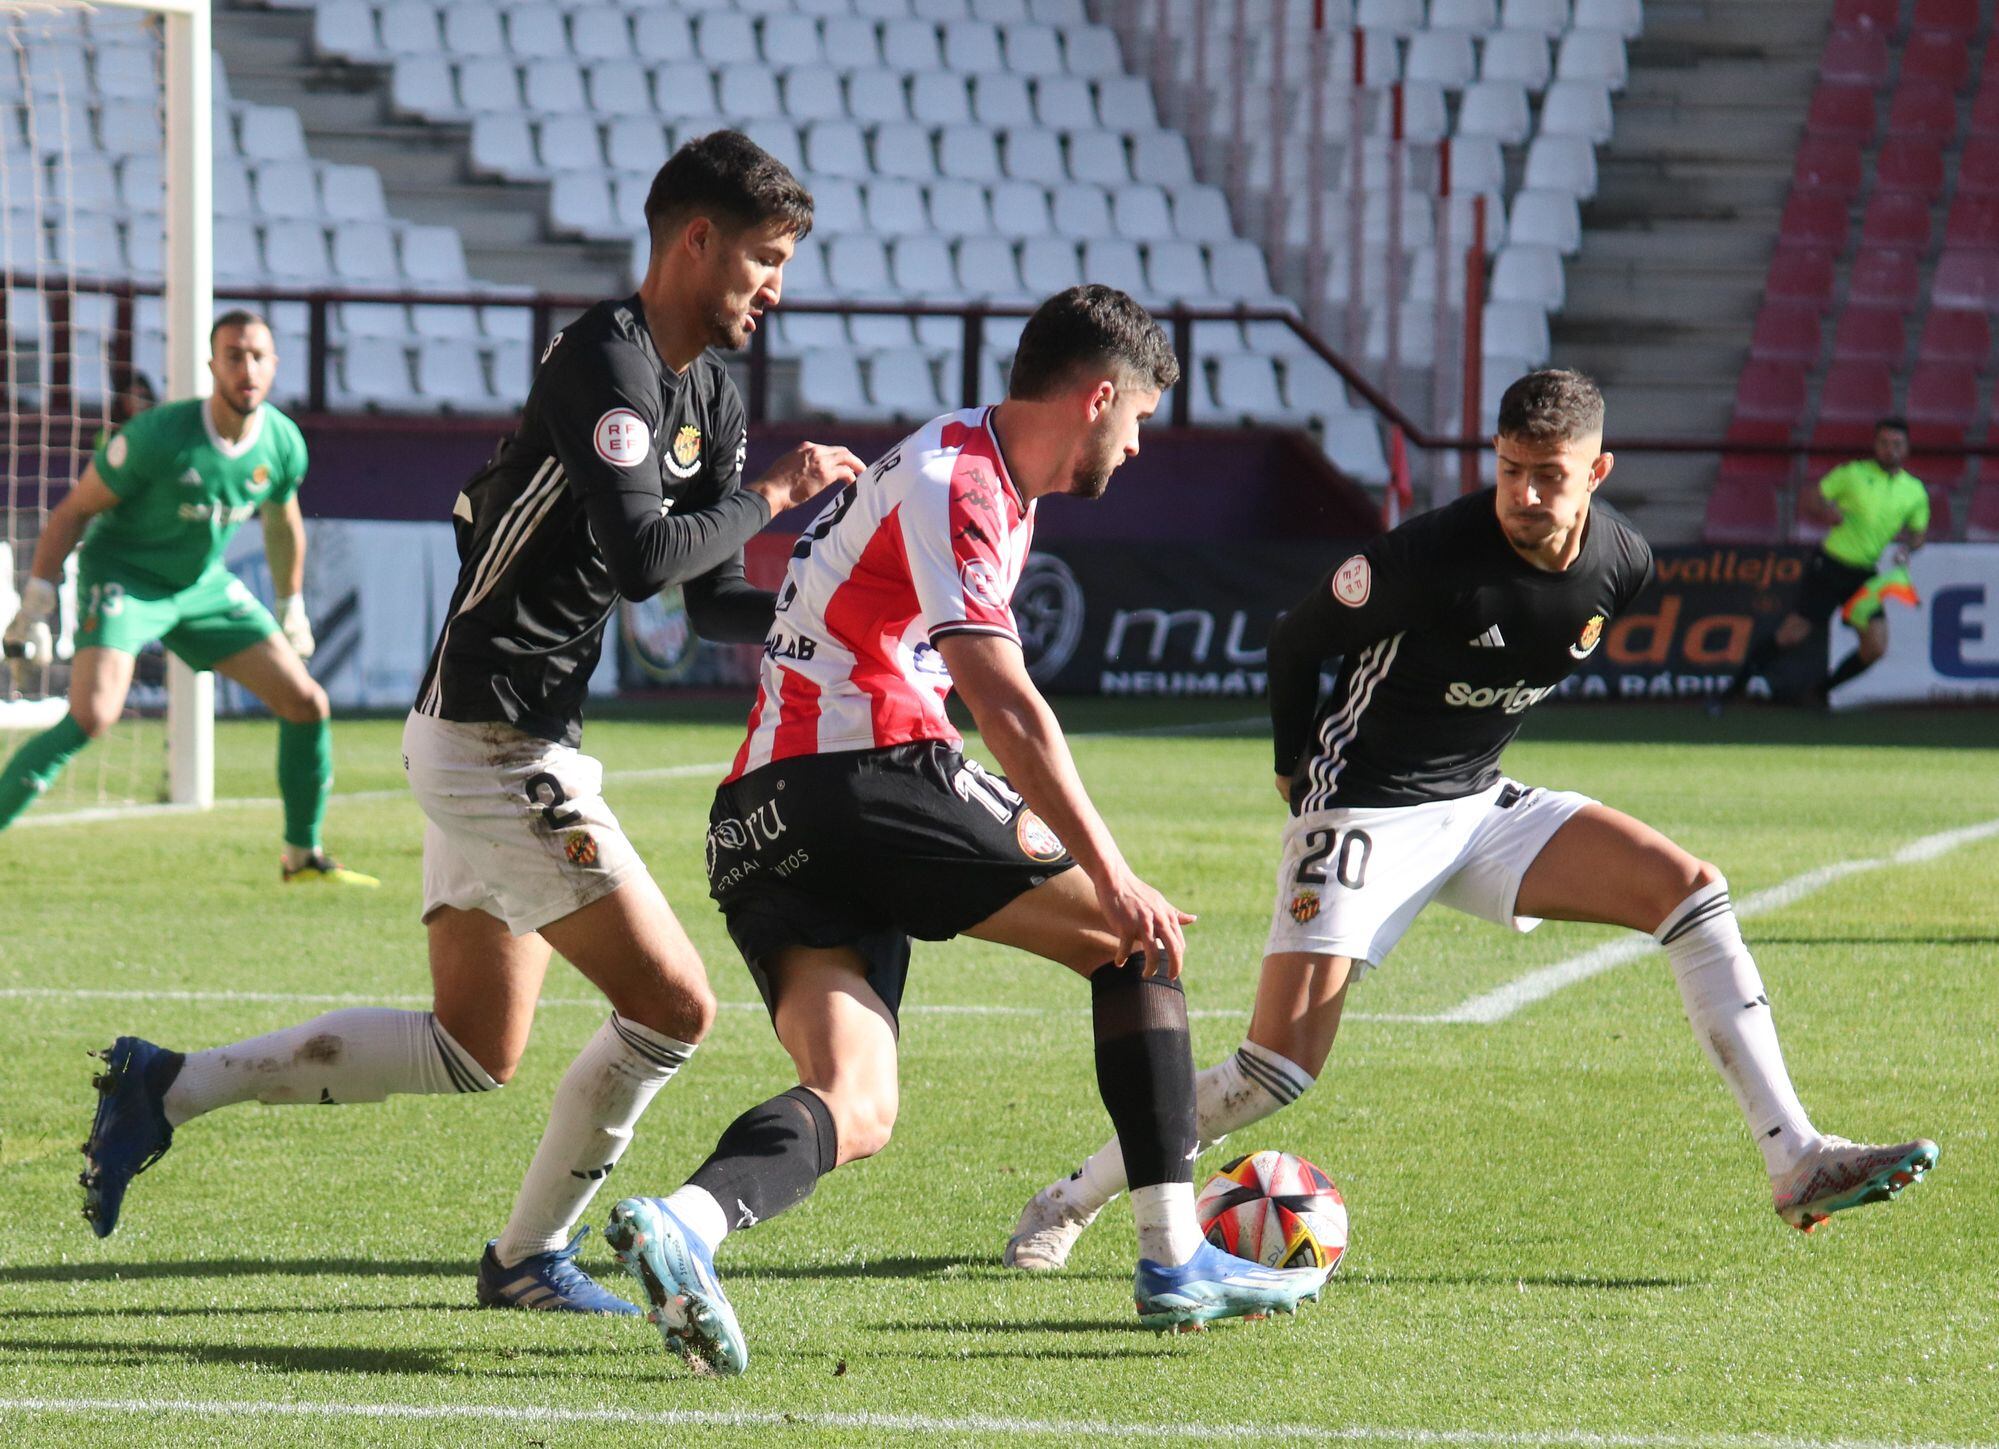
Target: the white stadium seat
pixel 1442 57
pixel 972 47
pixel 903 384
pixel 473 29
pixel 1353 442
pixel 968 153
pixel 837 148
pixel 569 143
pixel 813 93
pixel 490 85
pixel 634 143
pixel 1516 329
pixel 372 372
pixel 1201 213
pixel 792 40
pixel 829 383
pixel 1141 213
pixel 1064 103
pixel 940 98
pixel 852 44
pixel 1549 17
pixel 295 253
pixel 433 255
pixel 1079 211
pixel 602 33
pixel 364 255
pixel 1019 209
pixel 409 27
pixel 346 28
pixel 1496 110
pixel 912 46
pixel 579 202
pixel 903 152
pixel 987 267
pixel 1114 262
pixel 659 35
pixel 1577 108
pixel 1177 270
pixel 779 137
pixel 1002 100
pixel 959 207
pixel 1049 264
pixel 877 95
pixel 452 374
pixel 1474 15
pixel 922 267
pixel 1034 154
pixel 1593 55
pixel 1037 50
pixel 1562 163
pixel 679 88
pixel 424 86
pixel 1124 103
pixel 723 36
pixel 1090 50
pixel 287 190
pixel 1531 274
pixel 837 208
pixel 1547 219
pixel 504 146
pixel 1520 56
pixel 1402 17
pixel 748 92
pixel 351 193
pixel 1162 158
pixel 1623 17
pixel 895 208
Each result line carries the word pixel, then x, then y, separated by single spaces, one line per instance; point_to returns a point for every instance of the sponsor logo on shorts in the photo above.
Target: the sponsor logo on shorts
pixel 685 458
pixel 622 438
pixel 1037 841
pixel 1592 633
pixel 982 582
pixel 1512 698
pixel 1353 581
pixel 581 848
pixel 1304 906
pixel 753 831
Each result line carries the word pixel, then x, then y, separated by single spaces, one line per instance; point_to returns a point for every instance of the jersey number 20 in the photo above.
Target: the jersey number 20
pixel 1349 854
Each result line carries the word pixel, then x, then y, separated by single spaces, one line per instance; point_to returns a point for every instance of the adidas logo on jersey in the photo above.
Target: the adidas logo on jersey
pixel 1490 639
pixel 191 479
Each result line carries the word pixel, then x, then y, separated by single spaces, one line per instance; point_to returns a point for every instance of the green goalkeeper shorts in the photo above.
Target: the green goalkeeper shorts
pixel 206 622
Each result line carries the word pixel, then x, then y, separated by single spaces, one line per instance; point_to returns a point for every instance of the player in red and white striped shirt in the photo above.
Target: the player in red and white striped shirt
pixel 851 822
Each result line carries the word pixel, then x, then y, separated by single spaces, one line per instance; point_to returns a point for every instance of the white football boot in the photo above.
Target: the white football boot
pixel 1835 1174
pixel 1048 1228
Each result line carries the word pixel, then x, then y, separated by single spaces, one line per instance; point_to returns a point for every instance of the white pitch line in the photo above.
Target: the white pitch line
pixel 932 1424
pixel 1523 991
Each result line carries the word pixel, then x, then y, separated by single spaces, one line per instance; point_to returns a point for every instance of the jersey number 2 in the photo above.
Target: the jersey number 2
pixel 1349 854
pixel 546 794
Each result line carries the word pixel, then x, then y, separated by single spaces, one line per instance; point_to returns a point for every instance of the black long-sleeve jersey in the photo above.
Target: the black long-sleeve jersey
pixel 623 477
pixel 1446 637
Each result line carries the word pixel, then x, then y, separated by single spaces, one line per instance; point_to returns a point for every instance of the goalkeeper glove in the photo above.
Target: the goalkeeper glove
pixel 30 641
pixel 297 627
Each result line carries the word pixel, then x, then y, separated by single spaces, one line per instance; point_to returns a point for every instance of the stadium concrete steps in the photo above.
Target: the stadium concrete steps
pixel 424 166
pixel 1663 296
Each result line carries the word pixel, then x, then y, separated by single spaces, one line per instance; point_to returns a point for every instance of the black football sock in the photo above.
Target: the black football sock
pixel 770 1158
pixel 1145 1070
pixel 1851 667
pixel 1759 659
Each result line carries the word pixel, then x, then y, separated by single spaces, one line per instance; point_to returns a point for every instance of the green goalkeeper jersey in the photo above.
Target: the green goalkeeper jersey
pixel 1874 506
pixel 183 490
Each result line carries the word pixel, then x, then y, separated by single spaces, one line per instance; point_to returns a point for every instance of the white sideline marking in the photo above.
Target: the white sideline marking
pixel 1072 1429
pixel 1523 991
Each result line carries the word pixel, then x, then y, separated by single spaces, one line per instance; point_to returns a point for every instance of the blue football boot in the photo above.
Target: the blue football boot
pixel 1213 1284
pixel 130 1132
pixel 675 1269
pixel 549 1281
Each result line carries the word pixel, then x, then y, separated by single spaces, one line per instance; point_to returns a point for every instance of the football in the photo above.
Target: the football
pixel 1275 1209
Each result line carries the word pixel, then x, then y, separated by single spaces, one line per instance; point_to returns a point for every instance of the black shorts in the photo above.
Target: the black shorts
pixel 1828 585
pixel 868 848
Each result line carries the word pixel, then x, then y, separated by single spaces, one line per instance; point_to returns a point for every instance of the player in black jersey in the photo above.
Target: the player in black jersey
pixel 623 478
pixel 1448 630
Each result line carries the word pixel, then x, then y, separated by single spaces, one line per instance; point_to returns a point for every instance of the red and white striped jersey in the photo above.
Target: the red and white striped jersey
pixel 929 542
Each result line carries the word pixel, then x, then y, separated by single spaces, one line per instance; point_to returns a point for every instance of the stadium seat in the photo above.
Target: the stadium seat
pixel 1087 50
pixel 1353 443
pixel 1478 16
pixel 1943 392
pixel 1019 209
pixel 1201 213
pixel 1985 107
pixel 1141 213
pixel 451 373
pixel 745 92
pixel 940 98
pixel 1944 472
pixel 433 256
pixel 603 33
pixel 295 253
pixel 1519 57
pixel 1880 15
pixel 579 203
pixel 1882 279
pixel 961 208
pixel 1956 18
pixel 1920 109
pixel 791 40
pixel 1742 511
pixel 1812 219
pixel 1079 211
pixel 1965 279
pixel 1517 329
pixel 409 27
pixel 1576 108
pixel 1442 57
pixel 851 44
pixel 829 384
pixel 1495 109
pixel 1854 58
pixel 1935 59
pixel 969 153
pixel 1549 17
pixel 1981 523
pixel 1562 163
pixel 1592 55
pixel 1162 159
pixel 1870 334
pixel 1031 153
pixel 987 267
pixel 1973 223
pixel 1955 336
pixel 1400 17
pixel 473 29
pixel 1771 392
pixel 364 255
pixel 972 47
pixel 1178 271
pixel 1785 334
pixel 1857 392
pixel 346 28
pixel 1896 221
pixel 1114 262
pixel 912 46
pixel 1912 164
pixel 663 35
pixel 271 133
pixel 287 190
pixel 1049 264
pixel 724 36
pixel 1529 274
pixel 1827 165
pixel 351 193
pixel 1843 112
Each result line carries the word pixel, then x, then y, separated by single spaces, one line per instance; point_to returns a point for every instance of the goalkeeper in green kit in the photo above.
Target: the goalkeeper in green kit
pixel 155 510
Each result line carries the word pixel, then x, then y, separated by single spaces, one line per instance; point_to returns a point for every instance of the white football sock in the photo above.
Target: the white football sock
pixel 598 1103
pixel 1246 1088
pixel 357 1054
pixel 700 1214
pixel 1167 1231
pixel 1730 1014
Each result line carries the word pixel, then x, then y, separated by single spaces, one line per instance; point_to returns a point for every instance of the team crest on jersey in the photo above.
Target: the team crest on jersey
pixel 116 450
pixel 622 438
pixel 1353 581
pixel 686 455
pixel 982 582
pixel 1592 633
pixel 1305 906
pixel 580 846
pixel 260 478
pixel 1037 841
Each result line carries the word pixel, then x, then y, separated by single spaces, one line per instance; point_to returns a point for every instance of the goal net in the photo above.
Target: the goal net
pixel 99 296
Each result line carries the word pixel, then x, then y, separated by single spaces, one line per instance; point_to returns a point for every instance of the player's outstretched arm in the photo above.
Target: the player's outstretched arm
pixel 1024 737
pixel 284 552
pixel 67 520
pixel 723 605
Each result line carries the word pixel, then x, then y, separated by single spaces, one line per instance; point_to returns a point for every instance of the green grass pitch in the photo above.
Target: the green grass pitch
pixel 1561 1233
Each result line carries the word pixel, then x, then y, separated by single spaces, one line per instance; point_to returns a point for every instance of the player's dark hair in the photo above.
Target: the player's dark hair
pixel 1553 405
pixel 1090 328
pixel 236 317
pixel 1900 425
pixel 733 181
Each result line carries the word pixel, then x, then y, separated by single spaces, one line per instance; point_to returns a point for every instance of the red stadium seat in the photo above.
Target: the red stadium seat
pixel 1740 512
pixel 1921 109
pixel 1978 167
pixel 1955 336
pixel 1940 522
pixel 1935 59
pixel 1981 521
pixel 1802 275
pixel 1785 334
pixel 1771 469
pixel 1814 219
pixel 1855 58
pixel 1846 112
pixel 1973 223
pixel 1943 392
pixel 1836 443
pixel 1830 165
pixel 1866 14
pixel 1956 18
pixel 1856 392
pixel 1870 334
pixel 1985 106
pixel 1771 392
pixel 1884 279
pixel 1948 471
pixel 1896 221
pixel 1966 279
pixel 1909 163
